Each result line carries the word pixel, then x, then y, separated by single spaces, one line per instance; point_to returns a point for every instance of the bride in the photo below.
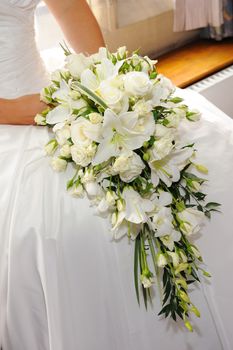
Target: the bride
pixel 64 285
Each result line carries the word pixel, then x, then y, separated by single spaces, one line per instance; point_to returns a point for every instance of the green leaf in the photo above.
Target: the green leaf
pixel 212 205
pixel 136 260
pixel 94 97
pixel 176 99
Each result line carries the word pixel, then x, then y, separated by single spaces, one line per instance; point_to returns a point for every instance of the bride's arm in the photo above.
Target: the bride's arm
pixel 20 111
pixel 82 32
pixel 78 24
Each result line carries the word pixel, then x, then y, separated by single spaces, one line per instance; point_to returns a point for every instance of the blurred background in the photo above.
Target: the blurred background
pixel 145 24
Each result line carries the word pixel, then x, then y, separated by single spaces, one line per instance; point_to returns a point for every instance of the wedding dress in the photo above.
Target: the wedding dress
pixel 64 284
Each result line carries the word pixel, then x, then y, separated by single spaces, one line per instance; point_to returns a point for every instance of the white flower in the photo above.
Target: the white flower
pixel 173 119
pixel 168 169
pixel 100 55
pixel 104 71
pixel 110 92
pixel 94 191
pixel 136 207
pixel 83 132
pixel 58 115
pixel 190 220
pixel 74 95
pixel 168 240
pixel 76 63
pixel 137 83
pixel 95 118
pixel 106 205
pixel 143 107
pixel 194 115
pixel 51 147
pixel 46 94
pixel 162 89
pixel 175 258
pixel 65 151
pixel 146 281
pixel 121 52
pixel 77 190
pixel 161 260
pixel 129 167
pixel 162 221
pixel 58 75
pixel 83 155
pixel 161 148
pixel 122 227
pixel 40 119
pixel 88 176
pixel 58 164
pixel 63 134
pixel 122 134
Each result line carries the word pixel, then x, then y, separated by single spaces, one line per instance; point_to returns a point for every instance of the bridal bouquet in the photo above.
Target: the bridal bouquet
pixel 117 123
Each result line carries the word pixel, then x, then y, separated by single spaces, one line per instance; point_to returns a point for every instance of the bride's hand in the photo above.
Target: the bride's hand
pixel 21 110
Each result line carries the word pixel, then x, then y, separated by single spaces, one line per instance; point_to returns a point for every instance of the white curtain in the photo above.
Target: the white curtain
pixel 193 14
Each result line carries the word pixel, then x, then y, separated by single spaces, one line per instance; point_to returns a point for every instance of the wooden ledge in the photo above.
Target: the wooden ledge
pixel 196 61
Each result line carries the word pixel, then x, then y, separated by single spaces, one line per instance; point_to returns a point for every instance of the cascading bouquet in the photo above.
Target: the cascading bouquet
pixel 117 123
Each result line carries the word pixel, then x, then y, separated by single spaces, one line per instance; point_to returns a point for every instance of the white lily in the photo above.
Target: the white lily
pixel 120 135
pixel 136 207
pixel 168 169
pixel 170 239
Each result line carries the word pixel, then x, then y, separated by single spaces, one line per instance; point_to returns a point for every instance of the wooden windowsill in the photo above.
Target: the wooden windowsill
pixel 196 61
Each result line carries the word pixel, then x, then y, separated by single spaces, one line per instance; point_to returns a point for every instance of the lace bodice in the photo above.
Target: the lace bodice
pixel 21 67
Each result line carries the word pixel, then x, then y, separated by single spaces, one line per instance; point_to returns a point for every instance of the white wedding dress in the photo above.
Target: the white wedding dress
pixel 64 285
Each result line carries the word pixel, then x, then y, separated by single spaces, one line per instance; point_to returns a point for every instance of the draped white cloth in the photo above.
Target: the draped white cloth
pixel 193 14
pixel 64 285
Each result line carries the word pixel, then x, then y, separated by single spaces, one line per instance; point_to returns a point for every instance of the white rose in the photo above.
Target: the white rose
pixel 143 107
pixel 58 164
pixel 51 147
pixel 83 132
pixel 40 119
pixel 82 155
pixel 76 63
pixel 128 167
pixel 65 151
pixel 95 118
pixel 137 83
pixel 110 93
pixel 63 134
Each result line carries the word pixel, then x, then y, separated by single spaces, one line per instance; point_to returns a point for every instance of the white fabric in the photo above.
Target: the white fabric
pixel 193 14
pixel 64 284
